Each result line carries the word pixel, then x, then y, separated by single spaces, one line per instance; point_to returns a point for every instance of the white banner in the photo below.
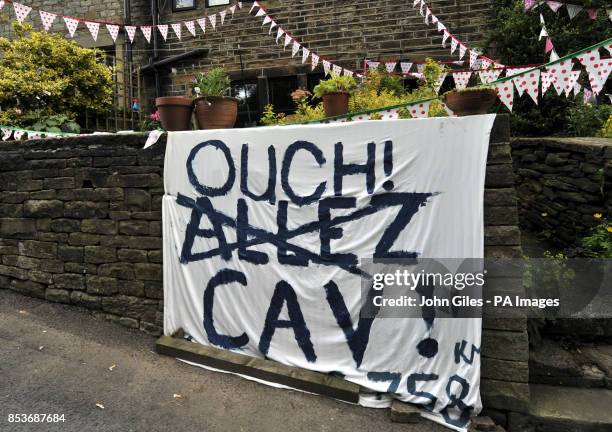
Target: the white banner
pixel 265 230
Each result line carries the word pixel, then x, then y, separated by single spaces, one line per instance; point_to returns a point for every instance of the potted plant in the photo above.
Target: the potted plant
pixel 335 93
pixel 470 101
pixel 213 110
pixel 174 112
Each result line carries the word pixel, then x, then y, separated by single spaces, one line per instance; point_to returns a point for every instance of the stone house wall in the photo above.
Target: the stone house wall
pixel 80 223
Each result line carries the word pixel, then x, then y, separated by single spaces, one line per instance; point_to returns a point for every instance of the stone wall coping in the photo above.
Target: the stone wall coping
pixel 573 143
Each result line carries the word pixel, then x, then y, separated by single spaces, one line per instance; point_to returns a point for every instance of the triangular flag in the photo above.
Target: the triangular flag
pixel 279 33
pixel 416 2
pixel 6 134
pixel 441 26
pixel 543 33
pixel 427 14
pixel 609 11
pixel 1 4
pixel 461 79
pixel 573 79
pixel 266 20
pixel 146 31
pixel 239 5
pixel 347 72
pixel 373 64
pixel 586 96
pixel 561 73
pixel 337 70
pixel 390 66
pixel 573 10
pixel 547 80
pixel 295 48
pixel 531 84
pixel 255 4
pixel 232 9
pixel 287 40
pixel 18 134
pixel 529 4
pixel 202 23
pixel 454 44
pixel 485 63
pixel 21 12
pixel 445 36
pixel 462 50
pixel 518 81
pixel 305 54
pixel 213 20
pixel 554 56
pixel 272 25
pixel 176 27
pixel 598 75
pixel 94 29
pixel 549 45
pixel 131 32
pixel 590 59
pixel 420 68
pixel 260 13
pixel 113 30
pixel 473 58
pixel 71 25
pixel 434 19
pixel 314 61
pixel 419 110
pixel 326 66
pixel 222 16
pixel 190 25
pixel 554 5
pixel 505 92
pixel 405 67
pixel 488 76
pixel 440 81
pixel 47 19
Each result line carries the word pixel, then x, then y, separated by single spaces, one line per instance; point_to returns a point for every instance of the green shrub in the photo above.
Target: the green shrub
pixel 598 243
pixel 335 83
pixel 57 123
pixel 606 130
pixel 587 119
pixel 44 74
pixel 215 82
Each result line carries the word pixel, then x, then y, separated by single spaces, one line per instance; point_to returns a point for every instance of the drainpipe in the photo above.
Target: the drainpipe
pixel 154 15
pixel 127 67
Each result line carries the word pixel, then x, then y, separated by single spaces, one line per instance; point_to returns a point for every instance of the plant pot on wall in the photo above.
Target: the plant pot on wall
pixel 216 112
pixel 335 103
pixel 174 112
pixel 470 102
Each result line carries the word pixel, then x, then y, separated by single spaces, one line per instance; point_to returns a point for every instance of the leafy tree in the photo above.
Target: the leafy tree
pixel 513 38
pixel 44 74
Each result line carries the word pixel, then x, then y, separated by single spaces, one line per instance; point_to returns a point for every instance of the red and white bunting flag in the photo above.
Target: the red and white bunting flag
pixel 462 50
pixel 176 27
pixel 21 12
pixel 1 4
pixel 589 58
pixel 488 76
pixel 390 66
pixel 517 80
pixel 571 83
pixel 295 48
pixel 419 110
pixel 586 96
pixel 47 19
pixel 94 29
pixel 531 84
pixel 337 69
pixel 222 16
pixel 202 23
pixel 260 13
pixel 239 5
pixel 232 9
pixel 287 40
pixel 326 66
pixel 573 10
pixel 305 54
pixel 454 44
pixel 279 33
pixel 406 66
pixel 529 4
pixel 547 80
pixel 416 2
pixel 255 4
pixel 422 8
pixel 461 79
pixel 6 134
pixel 427 15
pixel 347 72
pixel 473 58
pixel 163 30
pixel 505 92
pixel 434 19
pixel 485 63
pixel 18 134
pixel 554 5
pixel 272 25
pixel 445 37
pixel 146 31
pixel 543 33
pixel 373 64
pixel 600 74
pixel 190 25
pixel 420 68
pixel 609 11
pixel 213 20
pixel 440 81
pixel 549 45
pixel 562 74
pixel 131 32
pixel 314 61
pixel 71 25
pixel 113 30
pixel 266 20
pixel 441 27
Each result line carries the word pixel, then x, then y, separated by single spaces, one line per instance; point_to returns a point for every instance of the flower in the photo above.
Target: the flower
pixel 544 214
pixel 155 116
pixel 610 229
pixel 299 94
pixel 597 215
pixel 197 90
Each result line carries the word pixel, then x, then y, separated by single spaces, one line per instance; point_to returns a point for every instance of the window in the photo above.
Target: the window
pixel 280 90
pixel 211 3
pixel 183 5
pixel 246 93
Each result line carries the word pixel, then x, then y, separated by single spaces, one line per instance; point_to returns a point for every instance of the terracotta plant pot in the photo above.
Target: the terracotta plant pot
pixel 174 112
pixel 335 104
pixel 471 102
pixel 216 112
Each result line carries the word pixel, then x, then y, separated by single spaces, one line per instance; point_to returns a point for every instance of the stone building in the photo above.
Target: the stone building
pixel 345 32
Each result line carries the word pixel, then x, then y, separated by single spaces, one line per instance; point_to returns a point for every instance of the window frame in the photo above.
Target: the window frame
pixel 183 9
pixel 227 2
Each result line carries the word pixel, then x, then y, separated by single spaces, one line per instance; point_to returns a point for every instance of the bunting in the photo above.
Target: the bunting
pixel 47 19
pixel 71 25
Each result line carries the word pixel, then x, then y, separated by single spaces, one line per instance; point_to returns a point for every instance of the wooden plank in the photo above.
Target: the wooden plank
pixel 267 370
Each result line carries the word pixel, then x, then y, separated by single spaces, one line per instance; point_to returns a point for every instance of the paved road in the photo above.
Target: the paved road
pixel 70 374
